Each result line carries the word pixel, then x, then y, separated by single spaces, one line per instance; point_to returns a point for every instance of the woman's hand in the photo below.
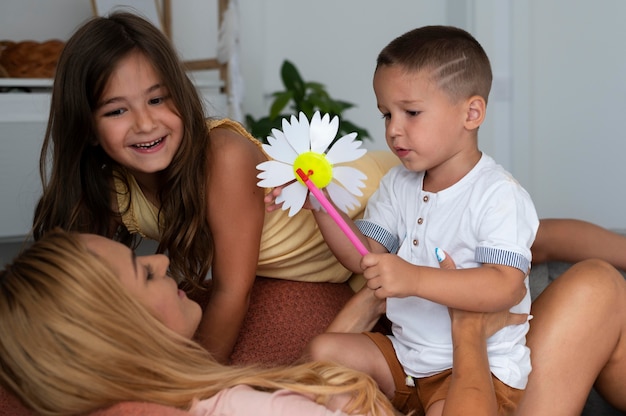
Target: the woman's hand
pixel 485 323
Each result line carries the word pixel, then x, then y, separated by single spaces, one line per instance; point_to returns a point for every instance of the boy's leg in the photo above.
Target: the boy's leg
pixel 574 240
pixel 578 334
pixel 373 354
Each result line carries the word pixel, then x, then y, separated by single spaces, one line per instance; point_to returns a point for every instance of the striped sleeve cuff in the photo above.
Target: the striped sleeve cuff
pixel 506 258
pixel 378 233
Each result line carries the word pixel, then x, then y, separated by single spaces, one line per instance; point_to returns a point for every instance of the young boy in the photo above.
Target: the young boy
pixel 431 86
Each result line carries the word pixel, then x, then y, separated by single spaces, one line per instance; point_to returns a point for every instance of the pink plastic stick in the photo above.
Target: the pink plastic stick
pixel 332 211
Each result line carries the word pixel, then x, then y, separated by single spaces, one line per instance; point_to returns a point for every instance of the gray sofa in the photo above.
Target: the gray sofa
pixel 540 277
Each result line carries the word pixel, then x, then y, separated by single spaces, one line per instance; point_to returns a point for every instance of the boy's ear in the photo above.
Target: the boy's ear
pixel 476 111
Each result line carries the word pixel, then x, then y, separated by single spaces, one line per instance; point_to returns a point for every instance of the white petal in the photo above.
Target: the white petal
pixel 297 133
pixel 346 149
pixel 274 174
pixel 279 148
pixel 350 178
pixel 323 131
pixel 293 197
pixel 343 199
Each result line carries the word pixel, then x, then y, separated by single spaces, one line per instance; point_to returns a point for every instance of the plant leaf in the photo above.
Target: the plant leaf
pixel 280 101
pixel 292 80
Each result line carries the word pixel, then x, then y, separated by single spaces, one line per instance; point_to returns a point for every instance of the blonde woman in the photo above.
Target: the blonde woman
pixel 92 325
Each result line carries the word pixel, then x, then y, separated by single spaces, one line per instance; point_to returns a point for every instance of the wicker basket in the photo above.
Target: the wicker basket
pixel 29 59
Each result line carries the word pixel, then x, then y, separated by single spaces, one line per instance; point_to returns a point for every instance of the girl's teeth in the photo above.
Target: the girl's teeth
pixel 148 145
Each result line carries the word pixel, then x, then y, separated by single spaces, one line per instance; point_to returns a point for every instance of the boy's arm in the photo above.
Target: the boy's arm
pixel 481 289
pixel 339 243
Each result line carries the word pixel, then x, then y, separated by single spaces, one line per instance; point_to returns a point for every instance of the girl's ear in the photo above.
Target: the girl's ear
pixel 476 111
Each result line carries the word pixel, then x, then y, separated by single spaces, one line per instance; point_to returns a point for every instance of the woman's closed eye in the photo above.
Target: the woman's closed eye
pixel 149 272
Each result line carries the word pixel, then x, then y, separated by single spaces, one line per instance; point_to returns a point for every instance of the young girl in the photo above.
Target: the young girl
pixel 86 324
pixel 132 154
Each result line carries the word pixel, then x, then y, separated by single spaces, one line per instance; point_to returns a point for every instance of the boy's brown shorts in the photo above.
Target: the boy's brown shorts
pixel 431 389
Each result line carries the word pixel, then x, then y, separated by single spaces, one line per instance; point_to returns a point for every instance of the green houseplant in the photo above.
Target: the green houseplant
pixel 301 96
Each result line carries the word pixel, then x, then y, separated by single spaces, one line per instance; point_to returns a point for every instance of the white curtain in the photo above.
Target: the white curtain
pixel 228 52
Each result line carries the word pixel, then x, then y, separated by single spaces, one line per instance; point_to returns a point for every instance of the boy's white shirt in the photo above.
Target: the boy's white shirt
pixel 486 211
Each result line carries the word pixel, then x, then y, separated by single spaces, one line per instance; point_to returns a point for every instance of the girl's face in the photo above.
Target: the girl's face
pixel 136 122
pixel 146 279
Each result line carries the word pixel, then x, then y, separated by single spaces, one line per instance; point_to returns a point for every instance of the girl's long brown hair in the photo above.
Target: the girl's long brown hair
pixel 73 340
pixel 78 192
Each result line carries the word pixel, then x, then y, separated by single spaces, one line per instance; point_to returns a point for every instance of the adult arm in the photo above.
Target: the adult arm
pixel 574 240
pixel 236 215
pixel 359 314
pixel 471 387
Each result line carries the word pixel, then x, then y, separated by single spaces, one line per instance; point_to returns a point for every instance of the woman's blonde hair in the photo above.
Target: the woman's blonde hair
pixel 73 340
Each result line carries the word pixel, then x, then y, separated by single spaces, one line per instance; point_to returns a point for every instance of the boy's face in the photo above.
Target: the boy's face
pixel 423 126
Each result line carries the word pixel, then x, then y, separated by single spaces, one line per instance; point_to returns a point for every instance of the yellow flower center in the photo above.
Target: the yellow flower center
pixel 316 166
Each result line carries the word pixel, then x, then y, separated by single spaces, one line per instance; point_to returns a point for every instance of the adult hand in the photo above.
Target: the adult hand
pixel 486 323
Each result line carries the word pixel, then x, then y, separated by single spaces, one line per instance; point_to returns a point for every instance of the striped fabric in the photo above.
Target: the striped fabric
pixel 491 255
pixel 378 233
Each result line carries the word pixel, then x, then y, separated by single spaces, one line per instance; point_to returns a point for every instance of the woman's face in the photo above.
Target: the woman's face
pixel 146 279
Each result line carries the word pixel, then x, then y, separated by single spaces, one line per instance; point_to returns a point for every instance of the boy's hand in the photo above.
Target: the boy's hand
pixel 387 274
pixel 270 199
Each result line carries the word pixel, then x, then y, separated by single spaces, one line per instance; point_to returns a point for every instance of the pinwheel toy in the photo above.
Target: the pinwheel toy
pixel 304 160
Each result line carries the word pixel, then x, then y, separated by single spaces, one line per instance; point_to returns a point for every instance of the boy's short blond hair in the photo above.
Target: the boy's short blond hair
pixel 458 63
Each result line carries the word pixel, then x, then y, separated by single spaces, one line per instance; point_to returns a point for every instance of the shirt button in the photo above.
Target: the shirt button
pixel 415 242
pixel 426 198
pixel 420 221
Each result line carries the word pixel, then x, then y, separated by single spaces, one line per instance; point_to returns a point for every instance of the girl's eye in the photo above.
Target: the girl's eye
pixel 157 100
pixel 386 116
pixel 413 113
pixel 114 113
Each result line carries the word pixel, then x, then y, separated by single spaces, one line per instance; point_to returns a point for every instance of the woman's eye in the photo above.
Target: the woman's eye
pixel 149 273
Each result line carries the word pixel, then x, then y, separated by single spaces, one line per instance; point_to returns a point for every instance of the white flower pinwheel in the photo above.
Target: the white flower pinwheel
pixel 306 146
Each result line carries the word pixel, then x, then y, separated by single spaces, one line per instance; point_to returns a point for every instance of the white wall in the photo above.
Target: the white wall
pixel 559 67
pixel 570 86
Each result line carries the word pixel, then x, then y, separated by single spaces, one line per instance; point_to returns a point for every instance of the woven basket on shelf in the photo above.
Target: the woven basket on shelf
pixel 29 59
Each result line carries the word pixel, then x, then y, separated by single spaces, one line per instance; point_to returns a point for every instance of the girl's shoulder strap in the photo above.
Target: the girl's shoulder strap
pixel 233 126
